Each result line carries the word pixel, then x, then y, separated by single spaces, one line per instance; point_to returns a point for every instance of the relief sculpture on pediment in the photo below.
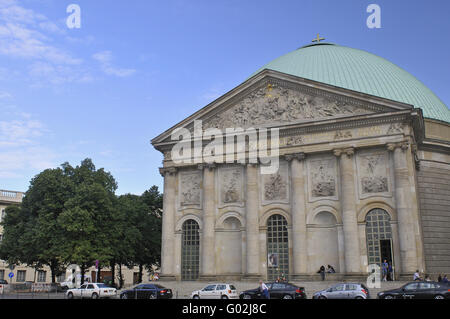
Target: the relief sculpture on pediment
pixel 282 105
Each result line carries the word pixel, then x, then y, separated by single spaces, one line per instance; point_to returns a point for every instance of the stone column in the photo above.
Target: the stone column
pixel 405 215
pixel 348 208
pixel 298 212
pixel 252 222
pixel 208 255
pixel 168 224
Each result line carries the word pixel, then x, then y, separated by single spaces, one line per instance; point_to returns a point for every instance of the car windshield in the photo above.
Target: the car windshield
pixel 102 286
pixel 232 287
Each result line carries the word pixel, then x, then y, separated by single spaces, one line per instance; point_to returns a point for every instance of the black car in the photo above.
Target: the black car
pixel 418 290
pixel 3 282
pixel 277 290
pixel 147 291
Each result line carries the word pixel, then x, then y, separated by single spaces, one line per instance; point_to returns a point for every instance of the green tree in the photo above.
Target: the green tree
pixel 88 217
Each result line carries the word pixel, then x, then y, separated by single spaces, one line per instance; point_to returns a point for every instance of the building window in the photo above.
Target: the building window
pixel 21 275
pixel 41 276
pixel 378 237
pixel 277 248
pixel 190 250
pixel 2 275
pixel 61 277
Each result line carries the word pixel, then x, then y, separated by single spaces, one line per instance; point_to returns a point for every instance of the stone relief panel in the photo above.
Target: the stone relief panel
pixel 231 185
pixel 373 174
pixel 322 178
pixel 275 104
pixel 190 188
pixel 275 187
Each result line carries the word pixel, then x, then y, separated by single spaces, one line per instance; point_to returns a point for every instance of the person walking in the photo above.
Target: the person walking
pixel 322 272
pixel 445 280
pixel 384 268
pixel 264 290
pixel 417 276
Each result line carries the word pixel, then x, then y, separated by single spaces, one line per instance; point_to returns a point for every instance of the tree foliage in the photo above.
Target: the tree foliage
pixel 71 215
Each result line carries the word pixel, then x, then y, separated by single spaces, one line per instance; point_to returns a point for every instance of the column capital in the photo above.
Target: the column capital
pixel 298 156
pixel 167 170
pixel 350 151
pixel 404 145
pixel 209 166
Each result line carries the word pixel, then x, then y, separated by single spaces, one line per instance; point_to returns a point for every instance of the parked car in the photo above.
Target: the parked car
pixel 74 281
pixel 344 291
pixel 147 291
pixel 3 282
pixel 277 290
pixel 216 291
pixel 92 290
pixel 418 290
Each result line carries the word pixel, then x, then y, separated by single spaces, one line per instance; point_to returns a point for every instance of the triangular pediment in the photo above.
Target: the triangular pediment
pixel 273 99
pixel 274 105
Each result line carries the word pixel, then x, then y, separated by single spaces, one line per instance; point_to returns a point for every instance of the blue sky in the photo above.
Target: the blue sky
pixel 137 67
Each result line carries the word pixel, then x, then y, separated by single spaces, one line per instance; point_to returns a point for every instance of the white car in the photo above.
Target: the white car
pixel 216 291
pixel 93 291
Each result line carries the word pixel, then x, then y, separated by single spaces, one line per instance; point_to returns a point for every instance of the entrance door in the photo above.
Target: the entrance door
pixel 386 250
pixel 386 253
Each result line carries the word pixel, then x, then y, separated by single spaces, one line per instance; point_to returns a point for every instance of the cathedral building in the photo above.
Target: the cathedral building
pixel 363 174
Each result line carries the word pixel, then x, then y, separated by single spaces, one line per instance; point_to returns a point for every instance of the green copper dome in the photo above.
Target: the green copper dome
pixel 360 71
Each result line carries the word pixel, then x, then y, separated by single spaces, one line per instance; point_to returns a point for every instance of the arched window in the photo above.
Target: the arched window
pixel 190 250
pixel 277 247
pixel 379 237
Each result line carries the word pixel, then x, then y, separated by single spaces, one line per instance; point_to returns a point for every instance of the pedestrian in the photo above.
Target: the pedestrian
pixel 439 278
pixel 445 280
pixel 390 272
pixel 330 269
pixel 427 278
pixel 417 276
pixel 322 272
pixel 384 268
pixel 264 290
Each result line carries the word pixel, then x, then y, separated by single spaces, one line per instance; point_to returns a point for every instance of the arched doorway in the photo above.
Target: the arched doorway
pixel 323 242
pixel 277 247
pixel 229 247
pixel 379 237
pixel 190 250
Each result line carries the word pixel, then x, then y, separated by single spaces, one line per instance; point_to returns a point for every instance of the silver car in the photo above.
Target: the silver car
pixel 344 291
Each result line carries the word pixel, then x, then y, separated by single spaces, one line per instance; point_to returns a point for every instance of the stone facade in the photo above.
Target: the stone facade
pixel 342 156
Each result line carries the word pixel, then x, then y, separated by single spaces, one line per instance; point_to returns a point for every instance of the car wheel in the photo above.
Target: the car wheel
pixel 359 297
pixel 196 297
pixel 224 297
pixel 94 296
pixel 322 297
pixel 247 297
pixel 123 296
pixel 439 297
pixel 287 297
pixel 70 295
pixel 388 297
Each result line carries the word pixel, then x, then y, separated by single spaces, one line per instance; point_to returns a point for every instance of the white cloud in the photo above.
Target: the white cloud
pixel 5 95
pixel 20 146
pixel 26 34
pixel 105 59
